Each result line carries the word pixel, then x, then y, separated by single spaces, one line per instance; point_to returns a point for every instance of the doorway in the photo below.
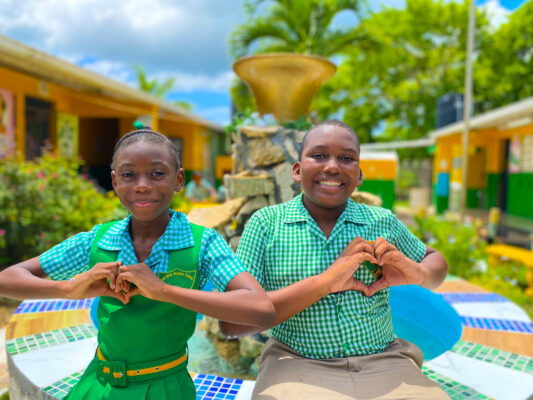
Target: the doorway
pixel 38 118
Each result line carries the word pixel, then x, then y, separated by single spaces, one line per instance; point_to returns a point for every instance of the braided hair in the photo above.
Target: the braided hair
pixel 146 134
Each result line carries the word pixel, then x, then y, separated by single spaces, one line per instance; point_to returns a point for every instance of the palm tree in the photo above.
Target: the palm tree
pixel 156 88
pixel 297 26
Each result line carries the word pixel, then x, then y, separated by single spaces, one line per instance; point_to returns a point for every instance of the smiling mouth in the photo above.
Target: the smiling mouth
pixel 331 184
pixel 144 203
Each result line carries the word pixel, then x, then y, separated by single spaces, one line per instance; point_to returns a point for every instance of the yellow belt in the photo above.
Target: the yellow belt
pixel 143 371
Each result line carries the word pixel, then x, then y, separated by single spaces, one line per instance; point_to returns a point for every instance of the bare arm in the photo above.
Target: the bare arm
pixel 295 298
pixel 244 301
pixel 27 280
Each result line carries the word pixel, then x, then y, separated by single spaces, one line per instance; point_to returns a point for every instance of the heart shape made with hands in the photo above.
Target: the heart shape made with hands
pixel 393 268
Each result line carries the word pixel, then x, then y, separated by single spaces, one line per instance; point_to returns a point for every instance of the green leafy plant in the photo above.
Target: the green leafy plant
pixel 43 202
pixel 460 244
pixel 463 246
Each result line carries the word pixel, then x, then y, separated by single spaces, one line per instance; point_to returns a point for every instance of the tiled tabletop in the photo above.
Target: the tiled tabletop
pixel 493 359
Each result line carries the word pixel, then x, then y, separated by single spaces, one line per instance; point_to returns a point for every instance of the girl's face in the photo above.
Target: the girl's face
pixel 145 179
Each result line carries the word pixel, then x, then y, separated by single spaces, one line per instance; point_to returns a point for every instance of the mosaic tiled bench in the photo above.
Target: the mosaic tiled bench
pixel 49 343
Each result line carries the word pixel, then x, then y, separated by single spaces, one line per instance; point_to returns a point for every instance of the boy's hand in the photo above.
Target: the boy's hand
pixel 146 282
pixel 93 283
pixel 397 268
pixel 339 276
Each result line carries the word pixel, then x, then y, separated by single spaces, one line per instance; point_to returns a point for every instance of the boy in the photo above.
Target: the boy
pixel 333 336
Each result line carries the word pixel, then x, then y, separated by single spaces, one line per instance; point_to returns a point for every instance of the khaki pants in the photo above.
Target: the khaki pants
pixel 392 374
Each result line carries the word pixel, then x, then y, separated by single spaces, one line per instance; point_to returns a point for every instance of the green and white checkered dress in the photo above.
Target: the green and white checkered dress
pixel 282 244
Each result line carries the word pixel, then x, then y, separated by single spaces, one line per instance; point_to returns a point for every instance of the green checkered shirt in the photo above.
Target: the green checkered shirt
pixel 282 244
pixel 217 261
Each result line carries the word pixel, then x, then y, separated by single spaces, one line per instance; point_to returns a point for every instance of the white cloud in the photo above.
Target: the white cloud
pixel 161 35
pixel 496 13
pixel 192 82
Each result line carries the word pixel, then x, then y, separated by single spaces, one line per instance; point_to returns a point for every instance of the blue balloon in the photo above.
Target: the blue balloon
pixel 425 319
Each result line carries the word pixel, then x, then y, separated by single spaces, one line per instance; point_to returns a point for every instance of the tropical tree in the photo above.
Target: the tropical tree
pixel 296 26
pixel 505 68
pixel 390 92
pixel 155 87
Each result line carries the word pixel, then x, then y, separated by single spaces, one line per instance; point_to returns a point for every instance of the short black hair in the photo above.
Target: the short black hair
pixel 147 135
pixel 329 122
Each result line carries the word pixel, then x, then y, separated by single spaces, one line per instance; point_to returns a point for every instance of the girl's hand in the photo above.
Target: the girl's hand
pixel 397 268
pixel 146 282
pixel 93 283
pixel 339 276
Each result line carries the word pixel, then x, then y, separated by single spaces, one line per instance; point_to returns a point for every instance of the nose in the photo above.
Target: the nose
pixel 332 166
pixel 142 184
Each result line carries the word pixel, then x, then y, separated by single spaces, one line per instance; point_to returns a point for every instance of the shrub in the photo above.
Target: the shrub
pixel 460 244
pixel 463 247
pixel 43 202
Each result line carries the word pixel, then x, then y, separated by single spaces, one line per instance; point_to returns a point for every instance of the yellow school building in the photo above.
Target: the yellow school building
pixel 49 103
pixel 500 161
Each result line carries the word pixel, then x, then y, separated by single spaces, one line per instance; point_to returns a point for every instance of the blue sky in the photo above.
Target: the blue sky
pixel 186 38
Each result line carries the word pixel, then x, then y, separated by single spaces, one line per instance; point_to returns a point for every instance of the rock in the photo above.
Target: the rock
pixel 284 181
pixel 366 198
pixel 259 131
pixel 217 216
pixel 234 242
pixel 250 347
pixel 245 185
pixel 299 136
pixel 289 146
pixel 252 205
pixel 262 152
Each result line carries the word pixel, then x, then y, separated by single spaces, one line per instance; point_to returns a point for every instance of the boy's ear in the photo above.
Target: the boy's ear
pixel 360 180
pixel 180 180
pixel 297 172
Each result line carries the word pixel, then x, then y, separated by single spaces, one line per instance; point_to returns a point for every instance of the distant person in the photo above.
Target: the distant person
pixel 199 189
pixel 333 336
pixel 222 192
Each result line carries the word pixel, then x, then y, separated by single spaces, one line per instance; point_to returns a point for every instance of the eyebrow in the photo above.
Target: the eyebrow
pixel 323 147
pixel 127 164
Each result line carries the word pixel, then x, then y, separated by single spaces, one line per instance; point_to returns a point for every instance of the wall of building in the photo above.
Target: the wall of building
pixel 492 179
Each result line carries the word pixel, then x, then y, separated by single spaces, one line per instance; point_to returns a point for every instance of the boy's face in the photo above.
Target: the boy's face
pixel 329 169
pixel 145 179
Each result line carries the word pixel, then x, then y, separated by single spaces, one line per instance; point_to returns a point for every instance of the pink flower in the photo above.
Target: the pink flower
pixel 85 176
pixel 2 232
pixel 41 187
pixel 54 175
pixel 40 175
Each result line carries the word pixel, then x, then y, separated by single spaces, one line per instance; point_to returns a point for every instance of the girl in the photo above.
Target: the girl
pixel 146 268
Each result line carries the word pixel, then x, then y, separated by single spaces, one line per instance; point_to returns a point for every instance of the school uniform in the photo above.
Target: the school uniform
pixel 142 345
pixel 341 347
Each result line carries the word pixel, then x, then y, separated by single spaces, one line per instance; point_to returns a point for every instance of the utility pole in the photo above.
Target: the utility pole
pixel 467 101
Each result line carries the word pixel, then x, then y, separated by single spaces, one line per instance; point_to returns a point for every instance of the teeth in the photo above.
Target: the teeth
pixel 329 183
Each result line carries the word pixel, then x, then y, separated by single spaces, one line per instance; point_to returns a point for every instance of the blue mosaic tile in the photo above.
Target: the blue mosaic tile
pixel 35 306
pixel 473 298
pixel 506 325
pixel 216 387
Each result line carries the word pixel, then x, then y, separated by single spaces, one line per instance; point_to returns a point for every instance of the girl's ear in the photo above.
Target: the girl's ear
pixel 297 172
pixel 180 180
pixel 114 179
